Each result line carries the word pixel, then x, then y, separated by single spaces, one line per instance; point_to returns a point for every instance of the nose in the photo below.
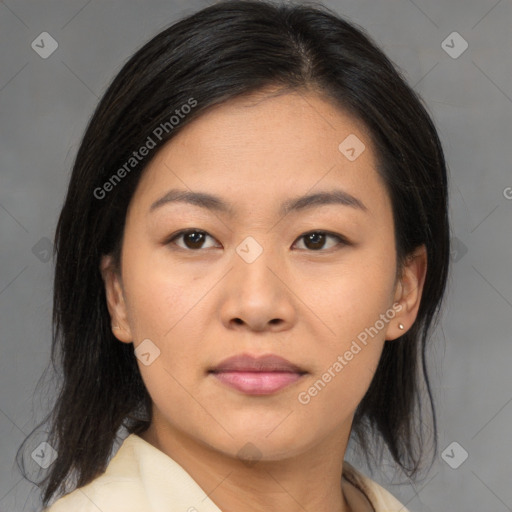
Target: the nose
pixel 258 295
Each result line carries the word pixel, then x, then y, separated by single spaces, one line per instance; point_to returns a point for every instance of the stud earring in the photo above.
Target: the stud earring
pixel 400 326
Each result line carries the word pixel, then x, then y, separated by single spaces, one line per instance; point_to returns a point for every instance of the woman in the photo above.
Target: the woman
pixel 251 256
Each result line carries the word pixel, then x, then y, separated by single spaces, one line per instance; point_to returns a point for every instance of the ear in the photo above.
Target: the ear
pixel 115 300
pixel 408 292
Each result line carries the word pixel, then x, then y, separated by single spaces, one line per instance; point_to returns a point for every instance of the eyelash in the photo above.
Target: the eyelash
pixel 342 240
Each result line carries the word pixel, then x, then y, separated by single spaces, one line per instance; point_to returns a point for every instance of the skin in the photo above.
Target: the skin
pixel 200 306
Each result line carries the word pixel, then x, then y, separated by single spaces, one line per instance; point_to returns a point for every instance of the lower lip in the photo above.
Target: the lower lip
pixel 257 383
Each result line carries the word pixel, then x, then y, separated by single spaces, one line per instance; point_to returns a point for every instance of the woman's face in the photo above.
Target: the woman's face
pixel 253 278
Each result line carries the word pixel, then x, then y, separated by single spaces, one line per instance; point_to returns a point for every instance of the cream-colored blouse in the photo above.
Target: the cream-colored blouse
pixel 141 478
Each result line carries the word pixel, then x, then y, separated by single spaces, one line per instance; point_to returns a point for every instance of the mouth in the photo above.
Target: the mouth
pixel 257 375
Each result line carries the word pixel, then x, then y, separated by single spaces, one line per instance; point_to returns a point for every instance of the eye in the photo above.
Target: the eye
pixel 315 240
pixel 193 238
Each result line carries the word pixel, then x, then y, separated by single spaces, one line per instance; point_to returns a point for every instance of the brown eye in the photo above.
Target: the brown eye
pixel 192 238
pixel 316 240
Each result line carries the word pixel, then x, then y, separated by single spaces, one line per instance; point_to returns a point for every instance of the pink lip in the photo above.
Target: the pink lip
pixel 257 383
pixel 257 375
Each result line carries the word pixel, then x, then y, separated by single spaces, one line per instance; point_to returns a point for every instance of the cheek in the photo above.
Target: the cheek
pixel 160 297
pixel 331 398
pixel 347 360
pixel 351 304
pixel 172 395
pixel 352 299
pixel 165 308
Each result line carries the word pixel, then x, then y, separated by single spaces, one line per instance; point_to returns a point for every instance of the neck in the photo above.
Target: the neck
pixel 309 480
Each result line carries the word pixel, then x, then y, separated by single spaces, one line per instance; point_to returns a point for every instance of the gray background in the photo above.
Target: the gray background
pixel 45 105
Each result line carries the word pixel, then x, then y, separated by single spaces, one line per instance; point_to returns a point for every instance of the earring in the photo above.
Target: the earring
pixel 400 326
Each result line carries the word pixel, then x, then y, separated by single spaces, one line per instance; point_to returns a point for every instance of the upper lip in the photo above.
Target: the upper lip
pixel 248 363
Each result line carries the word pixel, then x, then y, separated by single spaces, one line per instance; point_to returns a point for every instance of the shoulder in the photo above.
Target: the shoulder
pixel 118 489
pixel 380 498
pixel 102 494
pixel 139 478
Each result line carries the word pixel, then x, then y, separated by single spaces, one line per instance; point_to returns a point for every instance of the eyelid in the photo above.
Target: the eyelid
pixel 183 232
pixel 343 241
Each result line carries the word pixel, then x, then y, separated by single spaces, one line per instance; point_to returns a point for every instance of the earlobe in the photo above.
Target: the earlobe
pixel 115 300
pixel 408 292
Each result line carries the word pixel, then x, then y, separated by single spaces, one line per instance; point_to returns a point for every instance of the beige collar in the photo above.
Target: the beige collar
pixel 141 477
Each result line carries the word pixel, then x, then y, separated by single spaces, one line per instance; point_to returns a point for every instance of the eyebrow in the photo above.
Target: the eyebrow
pixel 215 203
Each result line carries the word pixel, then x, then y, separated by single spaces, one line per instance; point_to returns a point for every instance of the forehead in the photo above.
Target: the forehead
pixel 259 150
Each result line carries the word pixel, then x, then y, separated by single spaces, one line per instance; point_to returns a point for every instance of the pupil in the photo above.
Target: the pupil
pixel 196 240
pixel 318 243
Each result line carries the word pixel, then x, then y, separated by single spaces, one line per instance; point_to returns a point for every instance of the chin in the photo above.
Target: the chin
pixel 262 444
